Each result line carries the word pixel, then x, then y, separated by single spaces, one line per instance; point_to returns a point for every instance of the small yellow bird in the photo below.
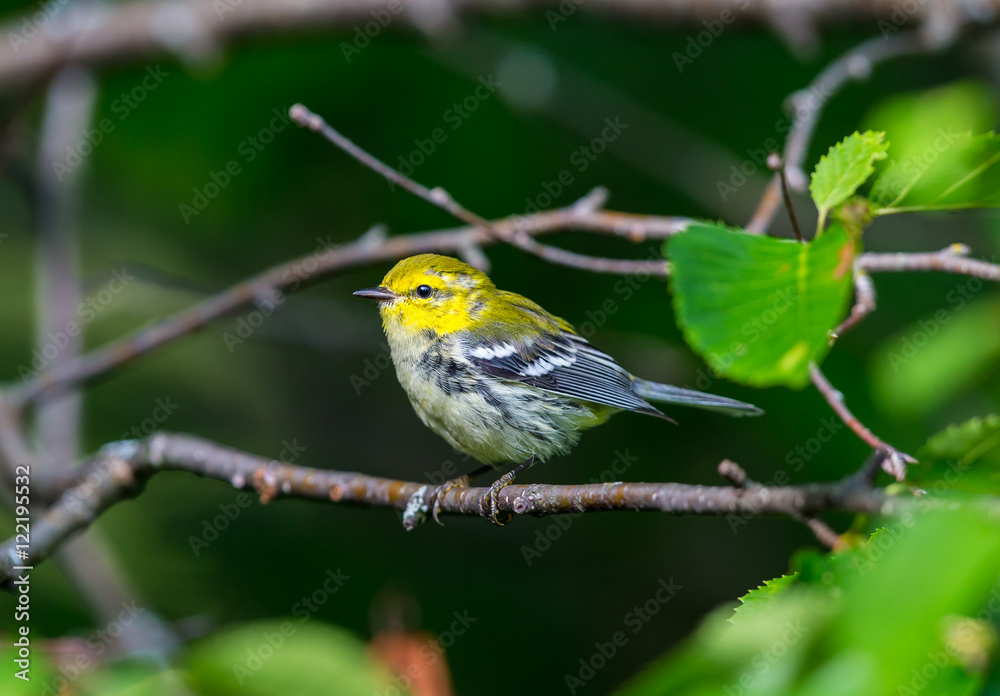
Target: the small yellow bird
pixel 497 376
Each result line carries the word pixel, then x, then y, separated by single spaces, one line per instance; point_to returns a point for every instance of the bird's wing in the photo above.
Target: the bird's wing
pixel 539 349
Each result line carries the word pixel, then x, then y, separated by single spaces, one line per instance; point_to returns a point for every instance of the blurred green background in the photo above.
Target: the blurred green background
pixel 291 381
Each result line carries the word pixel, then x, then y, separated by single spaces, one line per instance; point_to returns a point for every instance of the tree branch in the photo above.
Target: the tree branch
pixel 366 250
pixel 807 105
pixel 864 304
pixel 824 533
pixel 197 31
pixel 895 461
pixel 444 200
pixel 952 259
pixel 120 470
pixel 298 273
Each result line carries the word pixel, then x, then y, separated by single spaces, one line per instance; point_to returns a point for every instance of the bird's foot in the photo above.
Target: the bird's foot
pixel 434 497
pixel 496 516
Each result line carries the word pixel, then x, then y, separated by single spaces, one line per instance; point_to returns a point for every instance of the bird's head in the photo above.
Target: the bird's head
pixel 430 292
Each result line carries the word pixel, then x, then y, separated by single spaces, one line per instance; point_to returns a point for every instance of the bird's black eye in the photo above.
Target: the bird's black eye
pixel 424 291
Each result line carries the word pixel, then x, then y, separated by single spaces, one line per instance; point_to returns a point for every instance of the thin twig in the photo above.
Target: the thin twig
pixel 896 461
pixel 735 473
pixel 865 476
pixel 438 196
pixel 776 164
pixel 444 200
pixel 364 251
pixel 864 304
pixel 949 260
pixel 305 270
pixel 807 105
pixel 120 470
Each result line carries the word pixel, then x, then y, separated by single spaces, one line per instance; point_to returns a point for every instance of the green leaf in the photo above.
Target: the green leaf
pixel 939 357
pixel 944 561
pixel 842 170
pixel 958 441
pixel 760 598
pixel 914 120
pixel 960 171
pixel 936 163
pixel 964 457
pixel 879 619
pixel 759 656
pixel 131 679
pixel 759 309
pixel 285 657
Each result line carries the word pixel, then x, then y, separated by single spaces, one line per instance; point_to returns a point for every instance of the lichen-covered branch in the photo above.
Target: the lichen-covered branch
pixel 120 470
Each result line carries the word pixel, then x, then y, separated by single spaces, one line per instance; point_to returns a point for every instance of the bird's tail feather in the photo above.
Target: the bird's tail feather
pixel 667 394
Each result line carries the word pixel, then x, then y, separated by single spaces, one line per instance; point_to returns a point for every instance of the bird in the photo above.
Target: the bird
pixel 501 379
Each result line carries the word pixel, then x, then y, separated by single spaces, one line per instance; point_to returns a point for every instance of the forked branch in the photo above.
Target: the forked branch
pixel 120 470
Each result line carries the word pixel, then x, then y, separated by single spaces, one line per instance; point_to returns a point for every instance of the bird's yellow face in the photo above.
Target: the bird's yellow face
pixel 430 292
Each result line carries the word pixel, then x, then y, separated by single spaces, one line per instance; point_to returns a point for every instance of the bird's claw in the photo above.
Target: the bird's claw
pixel 491 499
pixel 435 495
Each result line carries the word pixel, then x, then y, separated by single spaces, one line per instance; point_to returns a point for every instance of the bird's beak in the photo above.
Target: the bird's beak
pixel 379 294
